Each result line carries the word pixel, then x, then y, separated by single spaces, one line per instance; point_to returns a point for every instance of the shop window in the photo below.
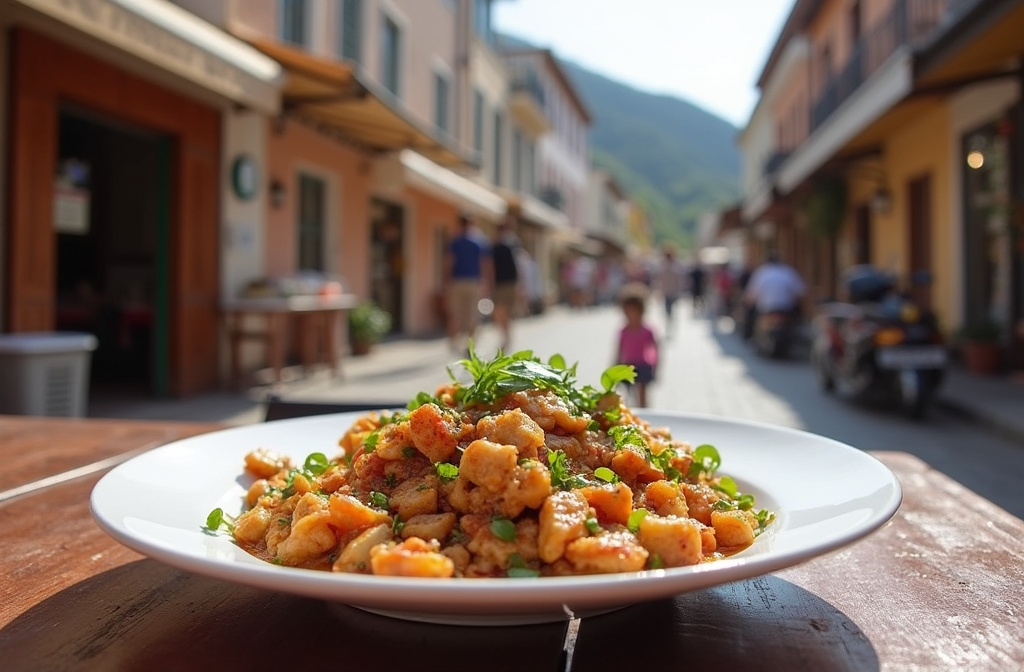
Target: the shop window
pixel 350 30
pixel 293 17
pixel 442 103
pixel 390 54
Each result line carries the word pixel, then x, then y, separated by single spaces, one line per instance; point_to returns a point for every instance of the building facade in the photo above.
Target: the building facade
pixel 895 141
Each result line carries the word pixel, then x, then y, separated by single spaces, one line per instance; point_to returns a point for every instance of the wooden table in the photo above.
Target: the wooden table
pixel 319 322
pixel 938 588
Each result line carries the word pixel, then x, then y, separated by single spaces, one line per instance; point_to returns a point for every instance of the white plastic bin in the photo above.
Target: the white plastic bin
pixel 45 373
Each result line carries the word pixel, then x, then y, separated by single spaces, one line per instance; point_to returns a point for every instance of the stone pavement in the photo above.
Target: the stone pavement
pixel 705 369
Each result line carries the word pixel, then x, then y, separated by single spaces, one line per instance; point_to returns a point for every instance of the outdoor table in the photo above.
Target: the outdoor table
pixel 318 320
pixel 939 587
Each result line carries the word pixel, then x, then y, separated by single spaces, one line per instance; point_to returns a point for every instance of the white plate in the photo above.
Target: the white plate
pixel 826 495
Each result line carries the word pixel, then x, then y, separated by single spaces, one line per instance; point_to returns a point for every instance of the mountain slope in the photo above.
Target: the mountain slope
pixel 676 159
pixel 654 143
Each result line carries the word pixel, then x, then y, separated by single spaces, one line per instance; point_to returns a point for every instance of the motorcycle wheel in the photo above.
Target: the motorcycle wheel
pixel 914 394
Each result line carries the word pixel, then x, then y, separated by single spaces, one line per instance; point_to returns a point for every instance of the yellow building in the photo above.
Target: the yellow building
pixel 888 132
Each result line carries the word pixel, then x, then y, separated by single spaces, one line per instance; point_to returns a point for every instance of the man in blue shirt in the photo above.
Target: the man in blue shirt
pixel 467 274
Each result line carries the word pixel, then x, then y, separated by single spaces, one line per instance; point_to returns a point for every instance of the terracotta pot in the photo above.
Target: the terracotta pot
pixel 361 348
pixel 981 357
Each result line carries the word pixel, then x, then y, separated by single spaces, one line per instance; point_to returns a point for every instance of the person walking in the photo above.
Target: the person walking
pixel 467 273
pixel 670 281
pixel 697 278
pixel 637 344
pixel 506 280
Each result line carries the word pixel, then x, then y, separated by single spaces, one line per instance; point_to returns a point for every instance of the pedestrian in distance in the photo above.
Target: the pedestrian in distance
pixel 506 280
pixel 637 344
pixel 467 275
pixel 697 282
pixel 670 282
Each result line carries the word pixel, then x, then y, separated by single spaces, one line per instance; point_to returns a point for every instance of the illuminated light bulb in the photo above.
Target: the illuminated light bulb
pixel 975 159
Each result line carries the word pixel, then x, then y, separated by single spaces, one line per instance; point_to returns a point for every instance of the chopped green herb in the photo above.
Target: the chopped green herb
pixel 592 525
pixel 391 480
pixel 503 529
pixel 446 472
pixel 706 461
pixel 620 373
pixel 316 464
pixel 408 452
pixel 379 499
pixel 655 562
pixel 561 477
pixel 396 525
pixel 421 399
pixel 518 569
pixel 626 435
pixel 218 519
pixel 606 475
pixel 726 485
pixel 634 520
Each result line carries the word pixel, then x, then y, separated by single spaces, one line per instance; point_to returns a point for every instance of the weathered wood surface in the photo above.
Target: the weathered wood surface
pixel 937 588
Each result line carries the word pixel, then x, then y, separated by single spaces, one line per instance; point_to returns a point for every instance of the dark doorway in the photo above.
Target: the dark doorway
pixel 387 259
pixel 111 218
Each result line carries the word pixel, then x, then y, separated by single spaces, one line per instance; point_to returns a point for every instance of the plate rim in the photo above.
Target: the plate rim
pixel 516 595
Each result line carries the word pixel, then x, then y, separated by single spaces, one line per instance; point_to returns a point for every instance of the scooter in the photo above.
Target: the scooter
pixel 774 333
pixel 880 345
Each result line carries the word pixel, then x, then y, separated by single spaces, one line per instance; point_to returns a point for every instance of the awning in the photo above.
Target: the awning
pixel 424 174
pixel 535 211
pixel 162 34
pixel 333 93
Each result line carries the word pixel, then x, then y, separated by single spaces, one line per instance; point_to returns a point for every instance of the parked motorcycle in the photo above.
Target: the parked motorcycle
pixel 879 345
pixel 774 333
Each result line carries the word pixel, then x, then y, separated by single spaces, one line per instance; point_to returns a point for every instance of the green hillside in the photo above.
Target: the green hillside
pixel 676 159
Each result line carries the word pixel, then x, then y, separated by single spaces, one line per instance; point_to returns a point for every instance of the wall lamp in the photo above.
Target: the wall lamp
pixel 277 193
pixel 881 201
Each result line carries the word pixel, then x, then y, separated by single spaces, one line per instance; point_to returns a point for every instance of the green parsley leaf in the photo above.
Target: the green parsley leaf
pixel 380 500
pixel 626 435
pixel 446 472
pixel 606 475
pixel 556 361
pixel 655 562
pixel 503 529
pixel 592 525
pixel 561 477
pixel 421 399
pixel 620 373
pixel 316 464
pixel 518 569
pixel 706 461
pixel 727 485
pixel 218 519
pixel 634 520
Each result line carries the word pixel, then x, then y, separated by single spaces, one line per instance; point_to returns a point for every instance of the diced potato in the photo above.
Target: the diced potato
pixel 665 499
pixel 429 526
pixel 632 466
pixel 434 432
pixel 264 463
pixel 676 541
pixel 356 555
pixel 393 441
pixel 612 502
pixel 607 552
pixel 562 519
pixel 513 428
pixel 251 526
pixel 412 557
pixel 414 497
pixel 734 529
pixel 348 514
pixel 487 464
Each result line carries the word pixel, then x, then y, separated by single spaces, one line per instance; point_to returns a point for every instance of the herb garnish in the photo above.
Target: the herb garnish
pixel 218 519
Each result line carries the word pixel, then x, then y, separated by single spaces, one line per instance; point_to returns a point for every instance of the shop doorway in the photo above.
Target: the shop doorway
pixel 387 259
pixel 111 220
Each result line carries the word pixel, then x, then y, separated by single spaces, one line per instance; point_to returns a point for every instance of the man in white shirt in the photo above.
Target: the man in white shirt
pixel 775 286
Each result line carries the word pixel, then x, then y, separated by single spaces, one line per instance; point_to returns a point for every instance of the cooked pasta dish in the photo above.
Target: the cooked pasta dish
pixel 510 469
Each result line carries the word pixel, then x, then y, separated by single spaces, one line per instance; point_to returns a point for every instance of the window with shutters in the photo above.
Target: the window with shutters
pixel 350 44
pixel 293 15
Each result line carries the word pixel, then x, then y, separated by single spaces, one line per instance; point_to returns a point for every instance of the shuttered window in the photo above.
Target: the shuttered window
pixel 351 44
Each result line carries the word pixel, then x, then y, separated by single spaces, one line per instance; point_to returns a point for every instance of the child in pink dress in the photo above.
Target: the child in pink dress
pixel 637 343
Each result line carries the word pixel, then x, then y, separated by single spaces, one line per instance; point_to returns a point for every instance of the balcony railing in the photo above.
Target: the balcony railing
pixel 776 160
pixel 526 81
pixel 912 23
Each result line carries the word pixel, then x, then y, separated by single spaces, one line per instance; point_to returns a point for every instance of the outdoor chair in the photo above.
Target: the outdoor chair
pixel 281 409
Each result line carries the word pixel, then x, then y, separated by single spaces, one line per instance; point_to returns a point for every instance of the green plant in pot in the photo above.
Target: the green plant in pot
pixel 368 323
pixel 979 343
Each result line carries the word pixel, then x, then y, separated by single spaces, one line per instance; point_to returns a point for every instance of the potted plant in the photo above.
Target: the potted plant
pixel 368 323
pixel 979 343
